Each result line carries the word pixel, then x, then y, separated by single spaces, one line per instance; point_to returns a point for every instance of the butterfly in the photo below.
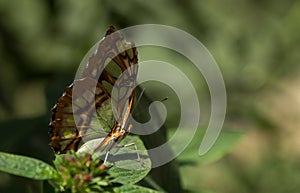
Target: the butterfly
pixel 99 99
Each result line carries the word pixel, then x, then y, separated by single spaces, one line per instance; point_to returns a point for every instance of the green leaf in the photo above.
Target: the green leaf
pixel 124 176
pixel 224 144
pixel 127 168
pixel 26 167
pixel 132 170
pixel 134 189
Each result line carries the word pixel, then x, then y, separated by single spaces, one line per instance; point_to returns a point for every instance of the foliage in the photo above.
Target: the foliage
pixel 254 42
pixel 80 172
pixel 25 166
pixel 74 173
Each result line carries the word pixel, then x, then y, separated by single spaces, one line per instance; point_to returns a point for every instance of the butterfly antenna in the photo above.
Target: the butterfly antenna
pixel 139 99
pixel 138 113
pixel 164 99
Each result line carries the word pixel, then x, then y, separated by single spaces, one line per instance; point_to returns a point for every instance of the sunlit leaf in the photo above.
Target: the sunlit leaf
pixel 134 189
pixel 26 167
pixel 131 170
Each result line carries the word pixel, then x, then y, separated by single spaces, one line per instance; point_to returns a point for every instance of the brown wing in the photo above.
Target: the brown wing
pixel 72 115
pixel 124 55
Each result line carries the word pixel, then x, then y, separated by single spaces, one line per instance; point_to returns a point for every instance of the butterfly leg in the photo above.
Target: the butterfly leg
pixel 135 147
pixel 143 164
pixel 106 156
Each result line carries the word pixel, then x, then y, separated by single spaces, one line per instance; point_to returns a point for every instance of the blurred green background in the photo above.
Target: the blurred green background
pixel 255 43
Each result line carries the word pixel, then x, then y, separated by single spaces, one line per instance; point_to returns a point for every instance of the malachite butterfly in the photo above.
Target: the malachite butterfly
pixel 88 106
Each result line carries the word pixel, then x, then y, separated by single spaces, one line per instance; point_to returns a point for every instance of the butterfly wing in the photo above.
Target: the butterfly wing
pixel 73 114
pixel 124 57
pixel 85 104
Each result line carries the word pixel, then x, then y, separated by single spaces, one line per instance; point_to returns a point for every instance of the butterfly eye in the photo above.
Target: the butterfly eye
pixel 123 131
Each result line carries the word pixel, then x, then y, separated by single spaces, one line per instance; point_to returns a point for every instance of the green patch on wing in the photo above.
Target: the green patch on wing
pixel 101 123
pixel 105 116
